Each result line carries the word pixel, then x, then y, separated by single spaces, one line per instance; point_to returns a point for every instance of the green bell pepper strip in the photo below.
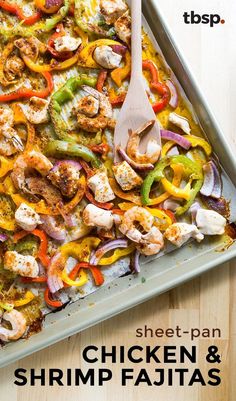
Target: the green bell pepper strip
pixel 191 168
pixel 38 28
pixel 27 246
pixel 63 148
pixel 63 95
pixel 193 193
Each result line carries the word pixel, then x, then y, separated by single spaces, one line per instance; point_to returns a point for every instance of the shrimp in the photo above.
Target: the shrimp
pixel 152 242
pixel 153 148
pixel 136 214
pixel 148 244
pixel 11 142
pixel 18 323
pixel 34 160
pixel 103 119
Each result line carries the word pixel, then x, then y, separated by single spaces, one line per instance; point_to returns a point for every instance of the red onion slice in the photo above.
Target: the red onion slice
pixel 132 163
pixel 135 264
pixel 3 237
pixel 119 49
pixel 218 205
pixel 174 94
pixel 109 246
pixel 193 211
pixel 179 139
pixel 52 229
pixel 212 185
pixel 66 163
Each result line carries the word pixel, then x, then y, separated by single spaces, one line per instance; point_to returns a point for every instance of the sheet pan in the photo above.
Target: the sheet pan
pixel 171 269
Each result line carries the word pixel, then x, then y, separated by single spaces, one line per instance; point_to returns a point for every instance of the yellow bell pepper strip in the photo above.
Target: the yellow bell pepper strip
pixel 83 278
pixel 83 36
pixel 6 306
pixel 86 55
pixel 124 206
pixel 178 173
pixel 6 165
pixel 62 96
pixel 118 254
pixel 184 193
pixel 194 191
pixel 166 148
pixel 120 74
pixel 53 66
pixel 4 56
pixel 7 218
pixel 202 143
pixel 29 296
pixel 80 250
pixel 192 169
pixel 161 215
pixel 39 207
pixel 129 196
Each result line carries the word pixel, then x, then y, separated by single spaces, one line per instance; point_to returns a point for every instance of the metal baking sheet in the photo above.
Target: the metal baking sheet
pixel 167 271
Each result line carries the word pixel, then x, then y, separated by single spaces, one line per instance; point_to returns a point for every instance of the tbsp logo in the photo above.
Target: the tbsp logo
pixel 193 18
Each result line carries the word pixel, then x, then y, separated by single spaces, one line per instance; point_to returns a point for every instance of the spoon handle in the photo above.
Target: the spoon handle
pixel 136 43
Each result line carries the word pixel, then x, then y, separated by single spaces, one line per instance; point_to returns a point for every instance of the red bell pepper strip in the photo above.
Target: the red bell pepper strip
pixel 51 302
pixel 88 170
pixel 51 44
pixel 106 206
pixel 160 87
pixel 42 279
pixel 42 252
pixel 102 149
pixel 96 272
pixel 25 93
pixel 13 8
pixel 101 80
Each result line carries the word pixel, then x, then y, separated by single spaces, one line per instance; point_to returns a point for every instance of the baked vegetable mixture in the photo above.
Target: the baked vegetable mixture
pixel 68 213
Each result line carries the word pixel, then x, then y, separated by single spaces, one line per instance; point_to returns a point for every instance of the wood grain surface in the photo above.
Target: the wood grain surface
pixel 208 301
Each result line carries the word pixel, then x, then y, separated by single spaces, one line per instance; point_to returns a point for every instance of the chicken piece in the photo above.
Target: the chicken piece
pixel 123 28
pixel 179 233
pixel 26 217
pixel 18 326
pixel 101 188
pixel 66 178
pixel 126 177
pixel 95 217
pixel 30 47
pixel 210 222
pixel 66 43
pixel 25 266
pixel 104 56
pixel 89 106
pixel 112 9
pixel 37 110
pixel 13 68
pixel 6 116
pixel 180 122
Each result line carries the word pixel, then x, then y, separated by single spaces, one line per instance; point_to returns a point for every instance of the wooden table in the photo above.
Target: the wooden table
pixel 208 301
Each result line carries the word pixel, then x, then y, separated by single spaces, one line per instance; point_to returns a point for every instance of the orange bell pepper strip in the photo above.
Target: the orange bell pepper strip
pixel 39 207
pixel 51 302
pixel 26 93
pixel 129 196
pixel 86 55
pixel 19 118
pixel 42 252
pixel 54 66
pixel 13 8
pixel 120 74
pixel 115 99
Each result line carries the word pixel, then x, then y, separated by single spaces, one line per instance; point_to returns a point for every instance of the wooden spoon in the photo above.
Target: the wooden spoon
pixel 136 110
